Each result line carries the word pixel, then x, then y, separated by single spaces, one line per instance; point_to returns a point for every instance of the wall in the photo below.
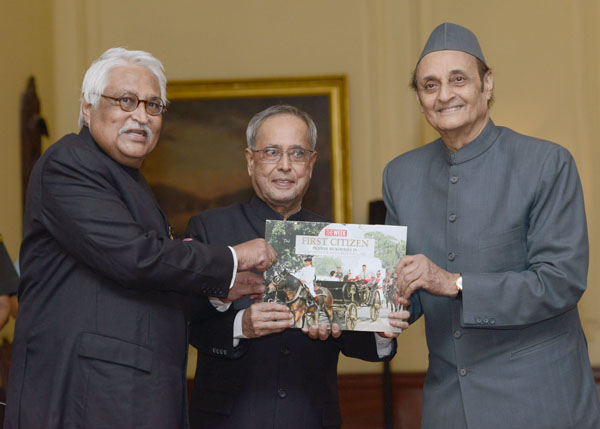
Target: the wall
pixel 26 33
pixel 544 54
pixel 26 50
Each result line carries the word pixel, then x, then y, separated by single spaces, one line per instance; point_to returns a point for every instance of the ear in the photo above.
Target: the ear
pixel 488 84
pixel 419 102
pixel 311 163
pixel 249 161
pixel 86 109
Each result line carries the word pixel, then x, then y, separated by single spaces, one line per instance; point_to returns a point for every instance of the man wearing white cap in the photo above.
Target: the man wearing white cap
pixel 498 261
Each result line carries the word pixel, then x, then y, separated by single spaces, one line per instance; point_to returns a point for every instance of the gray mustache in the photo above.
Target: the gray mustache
pixel 136 126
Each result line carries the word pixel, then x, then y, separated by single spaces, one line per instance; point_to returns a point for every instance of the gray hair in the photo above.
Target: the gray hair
pixel 96 77
pixel 280 109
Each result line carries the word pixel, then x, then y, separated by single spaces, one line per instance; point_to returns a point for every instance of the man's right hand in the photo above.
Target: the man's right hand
pixel 255 254
pixel 265 318
pixel 246 283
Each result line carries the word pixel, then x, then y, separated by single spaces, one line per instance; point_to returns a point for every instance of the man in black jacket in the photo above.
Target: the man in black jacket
pixel 101 336
pixel 252 371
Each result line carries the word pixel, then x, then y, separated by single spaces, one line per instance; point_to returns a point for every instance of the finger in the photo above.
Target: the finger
pixel 313 332
pixel 336 331
pixel 388 334
pixel 404 261
pixel 409 290
pixel 399 315
pixel 273 326
pixel 275 315
pixel 323 332
pixel 403 301
pixel 272 306
pixel 272 253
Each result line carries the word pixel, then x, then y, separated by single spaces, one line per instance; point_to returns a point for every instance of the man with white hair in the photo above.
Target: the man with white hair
pixel 101 335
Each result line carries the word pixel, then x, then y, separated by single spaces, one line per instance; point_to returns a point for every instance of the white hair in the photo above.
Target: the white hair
pixel 280 109
pixel 96 77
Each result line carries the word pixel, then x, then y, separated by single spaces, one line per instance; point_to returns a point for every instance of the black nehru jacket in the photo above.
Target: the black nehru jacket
pixel 284 380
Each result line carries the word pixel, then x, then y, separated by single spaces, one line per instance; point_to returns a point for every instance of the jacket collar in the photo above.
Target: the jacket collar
pixel 478 146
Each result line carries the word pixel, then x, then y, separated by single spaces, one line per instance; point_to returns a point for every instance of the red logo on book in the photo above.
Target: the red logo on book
pixel 336 233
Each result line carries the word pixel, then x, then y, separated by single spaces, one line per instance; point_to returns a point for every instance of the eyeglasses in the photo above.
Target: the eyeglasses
pixel 273 155
pixel 129 102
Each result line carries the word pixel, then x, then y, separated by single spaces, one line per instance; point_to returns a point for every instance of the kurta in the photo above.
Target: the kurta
pixel 101 335
pixel 506 211
pixel 284 380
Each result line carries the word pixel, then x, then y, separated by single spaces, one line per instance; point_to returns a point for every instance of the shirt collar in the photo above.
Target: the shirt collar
pixel 478 146
pixel 263 210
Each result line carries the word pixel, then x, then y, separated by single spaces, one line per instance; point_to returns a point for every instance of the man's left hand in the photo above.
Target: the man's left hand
pixel 397 319
pixel 419 272
pixel 322 332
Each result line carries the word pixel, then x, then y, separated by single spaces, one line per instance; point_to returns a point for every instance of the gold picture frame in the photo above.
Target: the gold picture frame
pixel 199 162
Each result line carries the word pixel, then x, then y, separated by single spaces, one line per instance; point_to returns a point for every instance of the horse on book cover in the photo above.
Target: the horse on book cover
pixel 298 298
pixel 392 294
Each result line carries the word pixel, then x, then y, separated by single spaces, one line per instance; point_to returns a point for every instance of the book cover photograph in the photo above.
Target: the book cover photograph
pixel 335 273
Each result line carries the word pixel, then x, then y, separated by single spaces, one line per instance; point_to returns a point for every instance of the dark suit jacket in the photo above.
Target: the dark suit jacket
pixel 284 380
pixel 101 337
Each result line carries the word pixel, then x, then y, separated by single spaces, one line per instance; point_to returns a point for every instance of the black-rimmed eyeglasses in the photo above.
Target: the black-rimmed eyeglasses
pixel 273 154
pixel 129 102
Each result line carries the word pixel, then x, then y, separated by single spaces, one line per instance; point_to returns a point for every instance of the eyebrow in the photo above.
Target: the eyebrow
pixel 452 73
pixel 278 146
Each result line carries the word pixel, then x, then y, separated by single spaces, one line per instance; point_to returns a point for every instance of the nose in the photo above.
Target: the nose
pixel 445 93
pixel 284 163
pixel 140 114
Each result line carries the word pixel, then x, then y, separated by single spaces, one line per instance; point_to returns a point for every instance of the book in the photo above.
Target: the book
pixel 335 273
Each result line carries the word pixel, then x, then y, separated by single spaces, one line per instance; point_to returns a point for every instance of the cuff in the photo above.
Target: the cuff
pixel 384 345
pixel 218 304
pixel 238 332
pixel 235 265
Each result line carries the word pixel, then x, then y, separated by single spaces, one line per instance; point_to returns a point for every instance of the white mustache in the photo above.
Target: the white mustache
pixel 136 126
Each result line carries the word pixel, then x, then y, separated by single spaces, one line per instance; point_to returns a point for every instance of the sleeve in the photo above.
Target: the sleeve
pixel 9 280
pixel 211 331
pixel 391 218
pixel 362 345
pixel 83 208
pixel 557 257
pixel 390 214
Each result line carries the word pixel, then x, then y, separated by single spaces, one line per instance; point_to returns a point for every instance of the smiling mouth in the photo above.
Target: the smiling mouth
pixel 283 182
pixel 137 132
pixel 450 109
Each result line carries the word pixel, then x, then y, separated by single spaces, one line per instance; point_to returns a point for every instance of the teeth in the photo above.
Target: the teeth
pixel 450 109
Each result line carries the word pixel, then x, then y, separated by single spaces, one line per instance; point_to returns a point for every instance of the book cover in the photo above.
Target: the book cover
pixel 335 273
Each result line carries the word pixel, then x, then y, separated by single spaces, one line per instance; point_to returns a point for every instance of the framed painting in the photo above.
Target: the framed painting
pixel 199 162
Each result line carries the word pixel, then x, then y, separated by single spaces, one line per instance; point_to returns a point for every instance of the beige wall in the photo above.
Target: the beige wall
pixel 544 55
pixel 26 34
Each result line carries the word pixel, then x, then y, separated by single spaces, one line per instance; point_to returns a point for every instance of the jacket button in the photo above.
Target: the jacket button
pixel 285 351
pixel 451 256
pixel 492 321
pixel 454 179
pixel 282 393
pixel 486 320
pixel 452 217
pixel 457 334
pixel 463 372
pixel 478 320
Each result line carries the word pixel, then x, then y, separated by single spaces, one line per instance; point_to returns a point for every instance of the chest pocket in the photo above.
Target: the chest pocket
pixel 503 251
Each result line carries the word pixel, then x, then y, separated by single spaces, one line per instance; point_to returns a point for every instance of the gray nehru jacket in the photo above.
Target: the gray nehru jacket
pixel 506 211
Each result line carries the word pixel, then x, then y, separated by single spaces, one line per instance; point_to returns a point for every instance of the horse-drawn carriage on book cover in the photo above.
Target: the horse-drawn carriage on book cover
pixel 335 273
